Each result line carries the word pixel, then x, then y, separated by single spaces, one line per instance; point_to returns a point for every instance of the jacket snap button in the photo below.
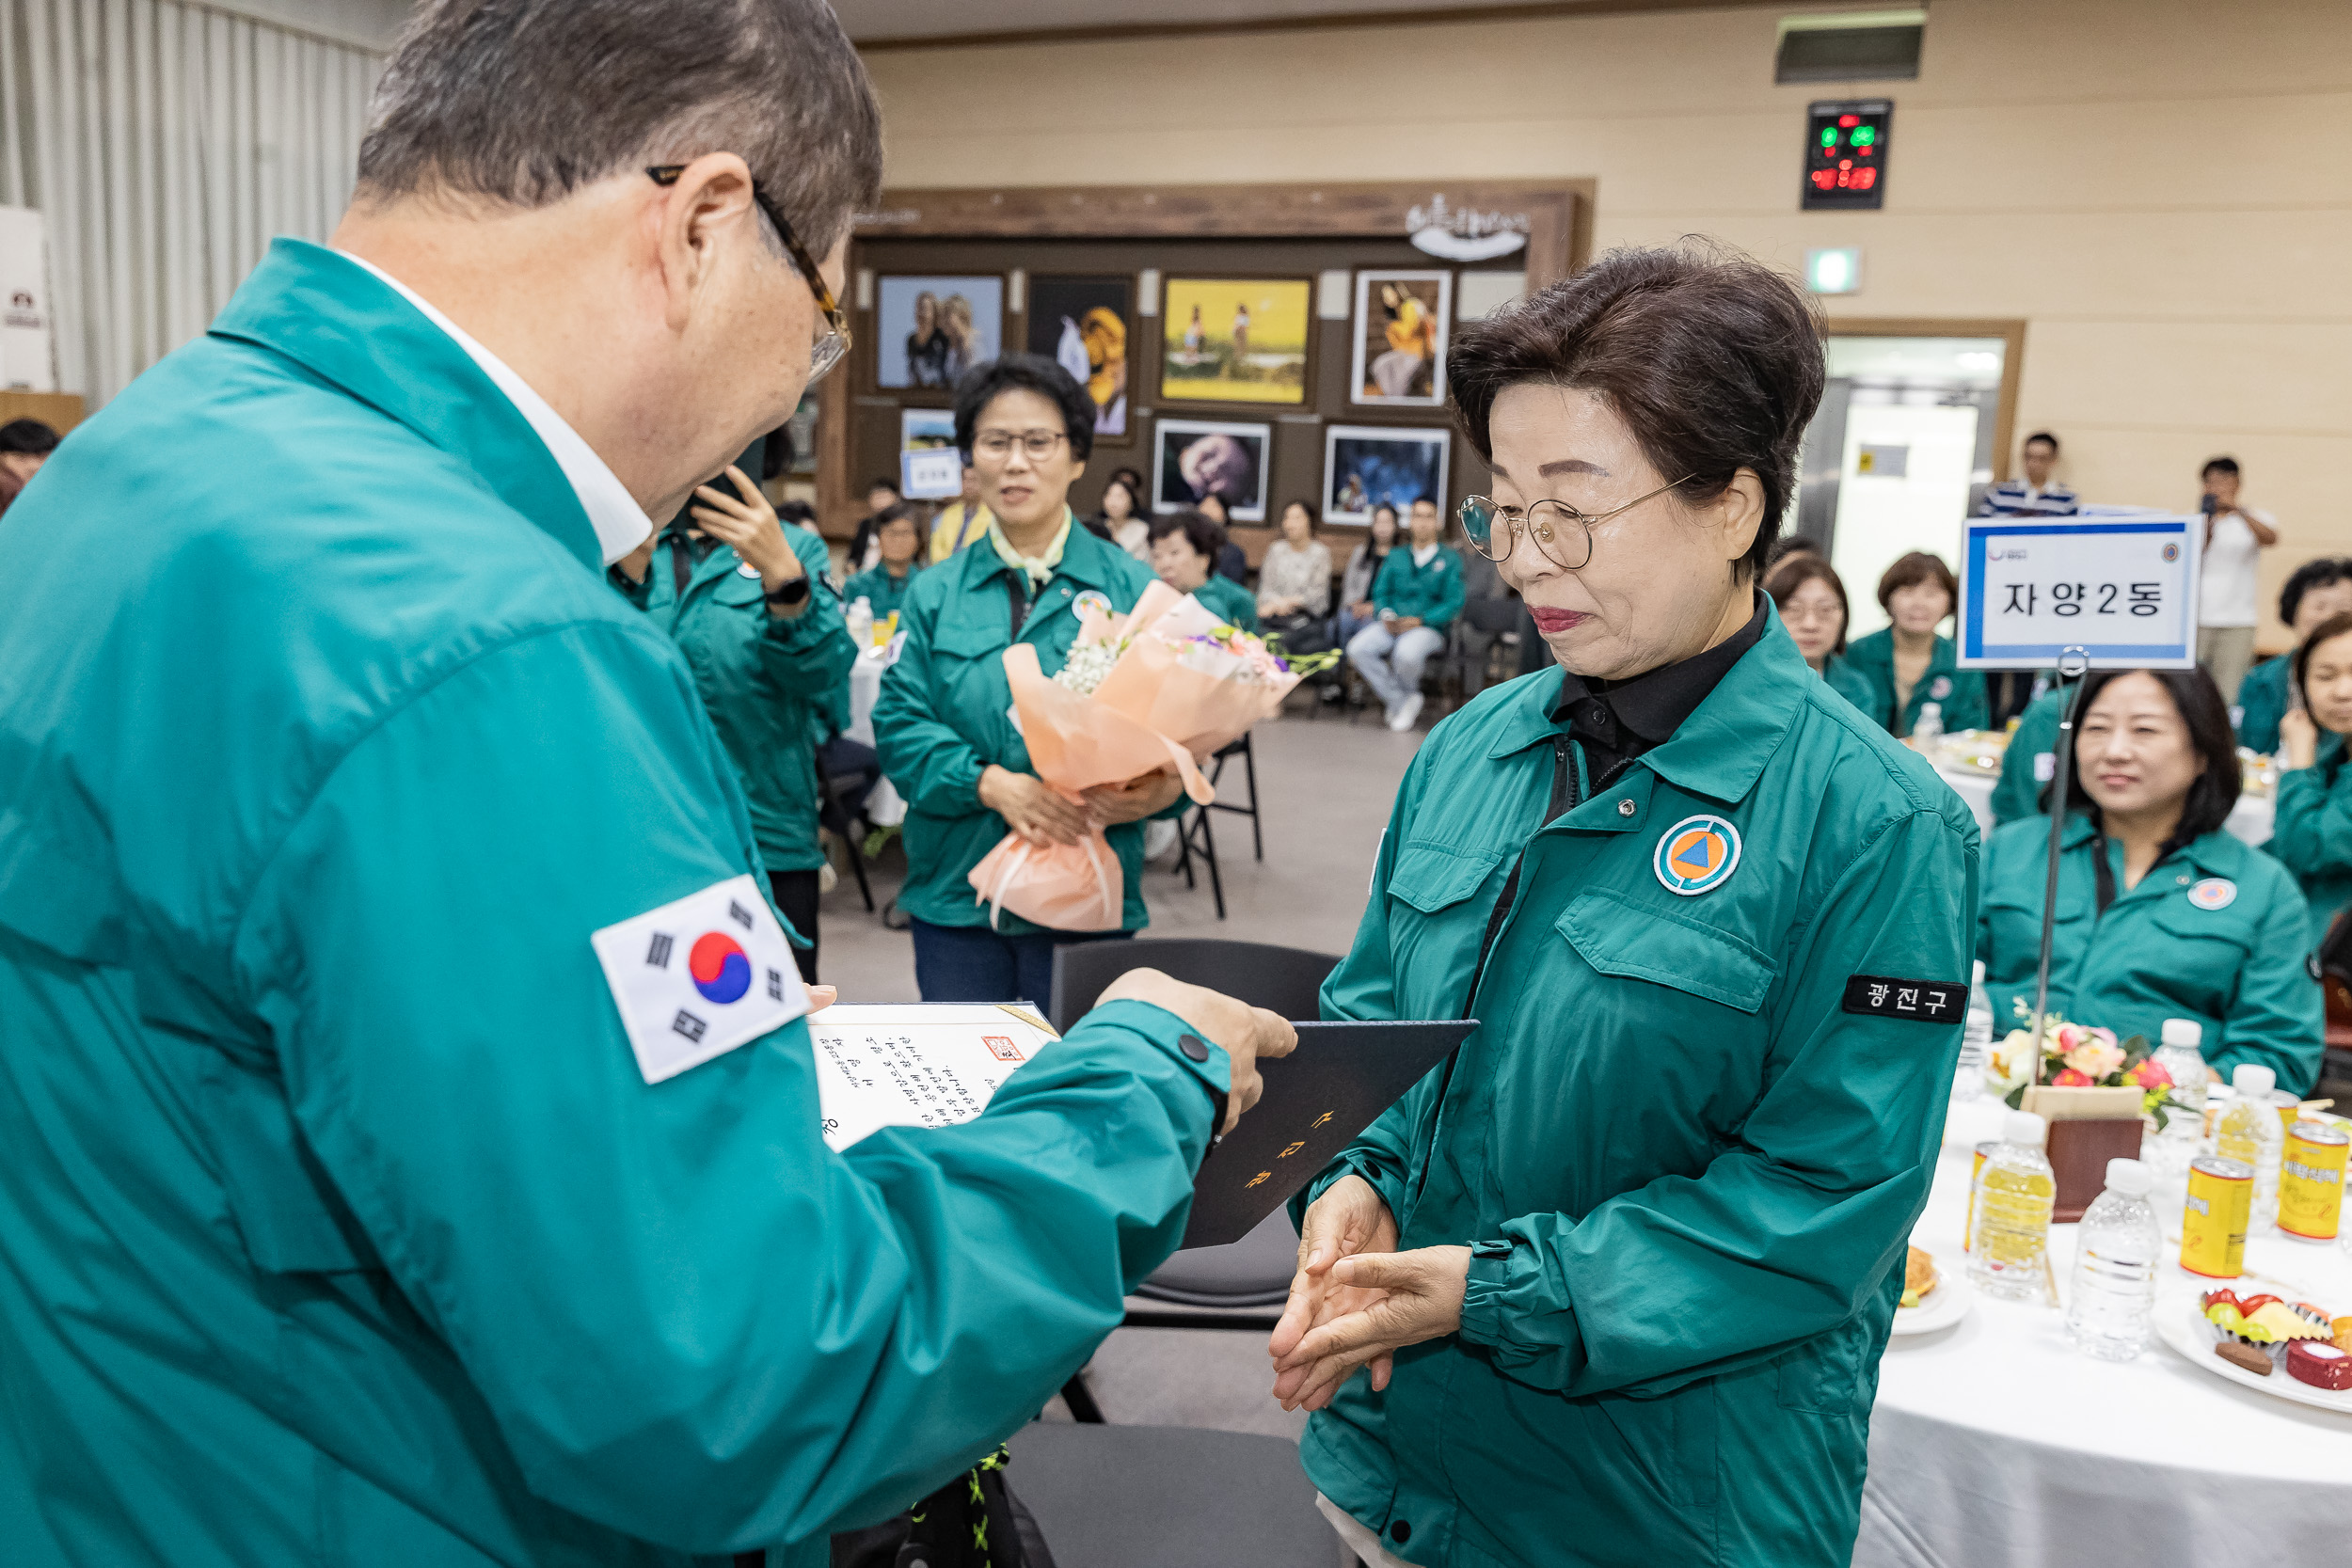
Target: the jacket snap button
pixel 1191 1046
pixel 1400 1532
pixel 2180 882
pixel 1625 808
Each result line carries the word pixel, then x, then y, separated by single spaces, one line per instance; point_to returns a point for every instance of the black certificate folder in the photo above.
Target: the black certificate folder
pixel 1317 1100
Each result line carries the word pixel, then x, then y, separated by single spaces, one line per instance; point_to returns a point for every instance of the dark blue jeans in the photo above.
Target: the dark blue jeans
pixel 972 963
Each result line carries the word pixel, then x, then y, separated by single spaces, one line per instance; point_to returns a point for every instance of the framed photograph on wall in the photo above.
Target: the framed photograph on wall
pixel 1196 458
pixel 1236 340
pixel 1369 465
pixel 926 429
pixel 1402 320
pixel 928 331
pixel 1083 324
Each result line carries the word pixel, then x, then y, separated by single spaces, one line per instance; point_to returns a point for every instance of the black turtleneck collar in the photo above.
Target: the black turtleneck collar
pixel 1617 720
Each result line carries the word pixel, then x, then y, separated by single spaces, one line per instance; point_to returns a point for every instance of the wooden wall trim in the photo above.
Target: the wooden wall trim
pixel 1431 16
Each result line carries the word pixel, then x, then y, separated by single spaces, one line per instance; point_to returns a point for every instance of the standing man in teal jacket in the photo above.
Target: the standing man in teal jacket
pixel 411 1131
pixel 769 652
pixel 1415 599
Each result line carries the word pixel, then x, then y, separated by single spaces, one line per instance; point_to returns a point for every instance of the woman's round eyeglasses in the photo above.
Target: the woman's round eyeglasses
pixel 1562 533
pixel 833 343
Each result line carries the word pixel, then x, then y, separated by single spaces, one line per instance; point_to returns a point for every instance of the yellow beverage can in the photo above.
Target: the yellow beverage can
pixel 1976 1178
pixel 2213 1225
pixel 2310 1180
pixel 2289 1106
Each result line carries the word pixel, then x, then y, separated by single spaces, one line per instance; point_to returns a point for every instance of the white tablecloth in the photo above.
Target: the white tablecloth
pixel 1994 1444
pixel 884 808
pixel 2251 819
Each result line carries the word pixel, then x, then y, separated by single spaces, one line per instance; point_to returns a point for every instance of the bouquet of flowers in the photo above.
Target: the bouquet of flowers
pixel 2076 1056
pixel 1164 685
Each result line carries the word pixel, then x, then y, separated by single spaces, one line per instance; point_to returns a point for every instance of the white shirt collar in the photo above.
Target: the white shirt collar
pixel 1424 554
pixel 620 523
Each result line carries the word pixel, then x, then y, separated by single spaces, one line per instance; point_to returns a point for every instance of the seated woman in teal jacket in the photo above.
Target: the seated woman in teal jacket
pixel 885 587
pixel 1907 665
pixel 2161 913
pixel 1185 547
pixel 1811 598
pixel 1415 597
pixel 2313 834
pixel 2312 593
pixel 941 722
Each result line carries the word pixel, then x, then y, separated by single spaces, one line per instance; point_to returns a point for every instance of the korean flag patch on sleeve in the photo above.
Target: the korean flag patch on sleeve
pixel 695 978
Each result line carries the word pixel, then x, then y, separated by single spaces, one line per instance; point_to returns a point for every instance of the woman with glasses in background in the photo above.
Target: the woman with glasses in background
pixel 1811 598
pixel 941 722
pixel 1642 1237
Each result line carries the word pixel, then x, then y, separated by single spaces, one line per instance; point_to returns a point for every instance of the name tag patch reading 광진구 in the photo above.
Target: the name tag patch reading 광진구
pixel 1920 1000
pixel 697 978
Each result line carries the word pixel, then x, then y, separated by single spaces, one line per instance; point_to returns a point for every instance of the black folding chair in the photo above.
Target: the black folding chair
pixel 1196 835
pixel 1249 770
pixel 832 814
pixel 1243 1285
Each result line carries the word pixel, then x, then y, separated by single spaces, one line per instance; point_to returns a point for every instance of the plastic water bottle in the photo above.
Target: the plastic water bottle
pixel 860 620
pixel 2009 1251
pixel 2184 1118
pixel 2114 1292
pixel 1930 729
pixel 1976 1040
pixel 2248 1129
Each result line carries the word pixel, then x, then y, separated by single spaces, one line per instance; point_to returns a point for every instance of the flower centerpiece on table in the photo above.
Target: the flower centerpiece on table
pixel 2076 1056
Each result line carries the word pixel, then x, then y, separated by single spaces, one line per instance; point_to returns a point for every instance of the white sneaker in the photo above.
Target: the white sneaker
pixel 1402 716
pixel 1160 837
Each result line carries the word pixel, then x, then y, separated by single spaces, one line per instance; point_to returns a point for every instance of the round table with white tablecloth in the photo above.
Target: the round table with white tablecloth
pixel 884 807
pixel 2249 820
pixel 1994 1444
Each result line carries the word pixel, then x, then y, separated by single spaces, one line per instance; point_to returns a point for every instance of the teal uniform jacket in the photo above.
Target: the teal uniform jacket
pixel 1847 681
pixel 763 679
pixel 2312 833
pixel 338 1222
pixel 1688 1175
pixel 943 715
pixel 2018 794
pixel 2215 931
pixel 883 593
pixel 1433 591
pixel 2262 701
pixel 1961 692
pixel 1229 601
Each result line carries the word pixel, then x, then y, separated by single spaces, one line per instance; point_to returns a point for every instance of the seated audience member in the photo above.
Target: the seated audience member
pixel 1907 664
pixel 2037 495
pixel 1812 602
pixel 1489 609
pixel 2312 834
pixel 2315 592
pixel 1415 598
pixel 1294 584
pixel 1363 568
pixel 24 446
pixel 2027 764
pixel 2161 913
pixel 1232 564
pixel 880 497
pixel 1184 546
pixel 961 521
pixel 900 539
pixel 1122 520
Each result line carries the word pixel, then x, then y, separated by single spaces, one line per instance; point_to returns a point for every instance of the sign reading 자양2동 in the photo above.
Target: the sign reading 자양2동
pixel 2121 586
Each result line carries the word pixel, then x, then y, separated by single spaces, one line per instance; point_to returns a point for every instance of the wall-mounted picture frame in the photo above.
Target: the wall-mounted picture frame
pixel 1196 458
pixel 1236 340
pixel 1084 324
pixel 1369 465
pixel 1404 320
pixel 928 330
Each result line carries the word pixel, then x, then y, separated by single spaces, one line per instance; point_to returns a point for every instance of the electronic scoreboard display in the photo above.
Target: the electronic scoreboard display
pixel 1845 153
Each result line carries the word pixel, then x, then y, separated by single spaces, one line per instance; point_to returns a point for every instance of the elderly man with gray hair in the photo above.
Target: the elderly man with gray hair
pixel 414 1153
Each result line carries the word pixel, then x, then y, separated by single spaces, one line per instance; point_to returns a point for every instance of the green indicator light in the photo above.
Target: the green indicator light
pixel 1864 136
pixel 1829 136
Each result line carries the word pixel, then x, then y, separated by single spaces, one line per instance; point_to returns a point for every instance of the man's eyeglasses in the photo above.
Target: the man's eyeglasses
pixel 997 444
pixel 833 343
pixel 1560 531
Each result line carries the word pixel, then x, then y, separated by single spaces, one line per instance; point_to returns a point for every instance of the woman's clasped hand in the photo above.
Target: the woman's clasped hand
pixel 1356 1299
pixel 1044 815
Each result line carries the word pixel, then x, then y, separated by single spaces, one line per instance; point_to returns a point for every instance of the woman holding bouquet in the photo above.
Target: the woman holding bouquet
pixel 1026 428
pixel 2161 913
pixel 1622 1269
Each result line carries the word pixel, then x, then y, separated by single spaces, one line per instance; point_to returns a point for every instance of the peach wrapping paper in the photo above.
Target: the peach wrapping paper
pixel 1153 711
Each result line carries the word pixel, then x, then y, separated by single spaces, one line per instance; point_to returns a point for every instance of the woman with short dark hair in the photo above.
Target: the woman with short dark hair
pixel 1294 584
pixel 943 722
pixel 1185 547
pixel 2312 833
pixel 1811 597
pixel 2312 593
pixel 1907 664
pixel 1684 1157
pixel 2161 913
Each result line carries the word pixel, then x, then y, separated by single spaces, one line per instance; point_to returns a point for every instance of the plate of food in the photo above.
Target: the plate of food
pixel 1931 1299
pixel 1978 752
pixel 2292 1349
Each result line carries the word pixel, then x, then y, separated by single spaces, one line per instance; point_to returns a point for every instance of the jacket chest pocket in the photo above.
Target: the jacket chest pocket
pixel 1627 939
pixel 2199 958
pixel 2014 933
pixel 968 671
pixel 1439 902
